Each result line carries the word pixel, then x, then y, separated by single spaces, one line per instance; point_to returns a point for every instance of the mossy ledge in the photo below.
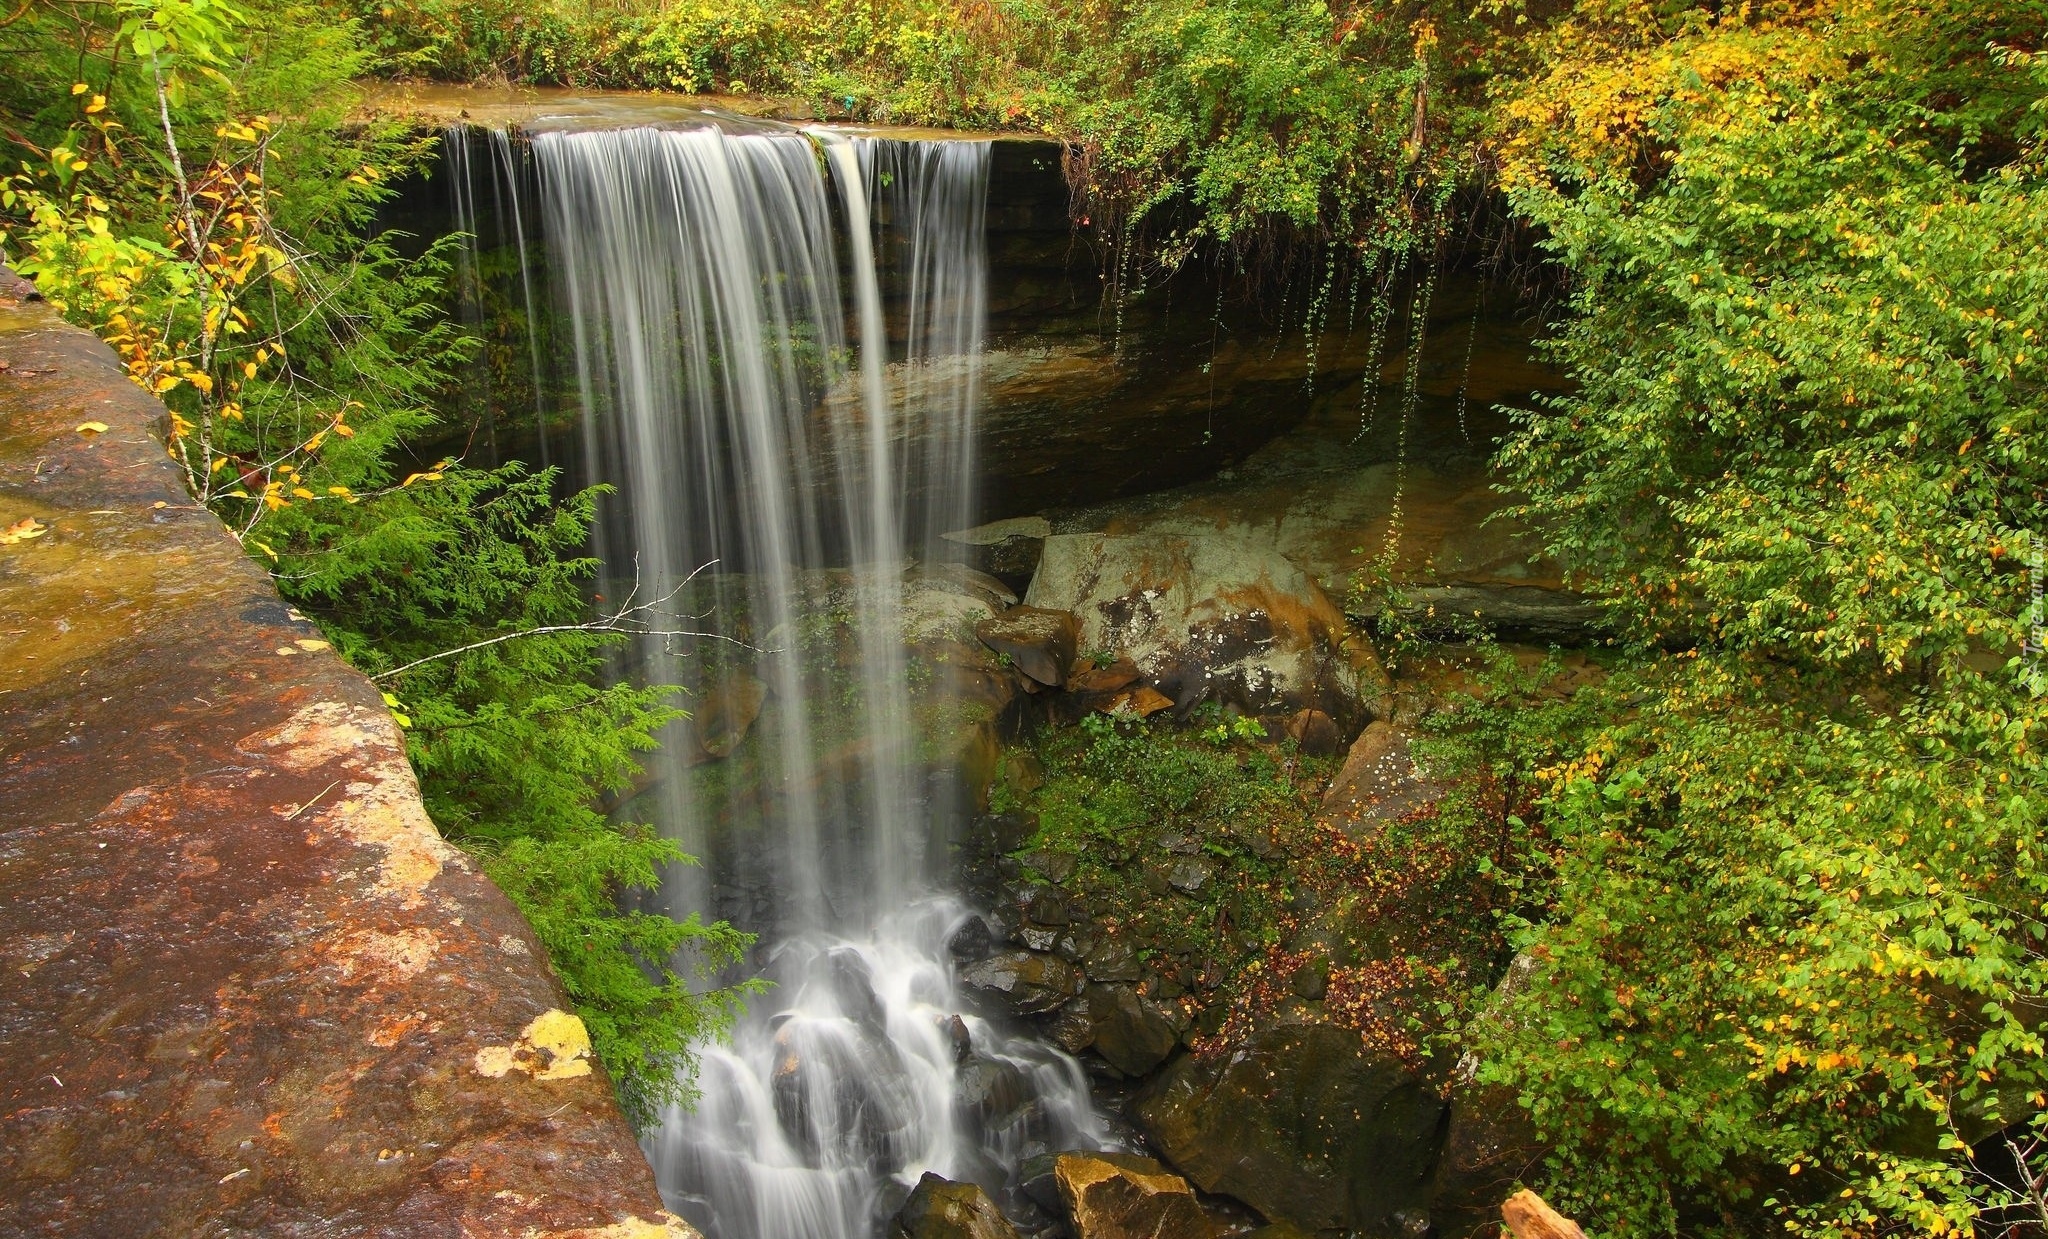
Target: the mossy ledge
pixel 249 988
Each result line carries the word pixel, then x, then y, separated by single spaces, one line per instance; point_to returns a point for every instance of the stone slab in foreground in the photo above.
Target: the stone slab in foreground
pixel 245 987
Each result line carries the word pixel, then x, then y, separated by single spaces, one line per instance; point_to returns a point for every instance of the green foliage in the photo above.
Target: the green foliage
pixel 513 740
pixel 1792 947
pixel 1189 121
pixel 213 226
pixel 1120 780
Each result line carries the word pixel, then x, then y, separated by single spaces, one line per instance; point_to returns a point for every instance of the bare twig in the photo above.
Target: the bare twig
pixel 638 619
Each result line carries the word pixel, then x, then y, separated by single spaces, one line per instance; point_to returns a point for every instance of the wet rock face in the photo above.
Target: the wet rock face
pixel 723 715
pixel 941 1209
pixel 1303 1124
pixel 1490 1146
pixel 1116 1197
pixel 1021 983
pixel 248 987
pixel 1206 617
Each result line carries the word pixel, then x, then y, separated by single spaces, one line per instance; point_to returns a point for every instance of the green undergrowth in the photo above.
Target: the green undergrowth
pixel 1389 919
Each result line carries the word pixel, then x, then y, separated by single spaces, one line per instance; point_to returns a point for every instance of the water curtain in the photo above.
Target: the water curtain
pixel 788 437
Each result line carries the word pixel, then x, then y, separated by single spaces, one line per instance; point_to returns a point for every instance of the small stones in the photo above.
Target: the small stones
pixel 1055 865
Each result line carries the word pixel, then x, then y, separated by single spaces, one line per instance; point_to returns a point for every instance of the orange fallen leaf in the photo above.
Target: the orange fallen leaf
pixel 22 530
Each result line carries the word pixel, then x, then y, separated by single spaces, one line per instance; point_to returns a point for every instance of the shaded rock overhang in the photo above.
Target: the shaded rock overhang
pixel 245 987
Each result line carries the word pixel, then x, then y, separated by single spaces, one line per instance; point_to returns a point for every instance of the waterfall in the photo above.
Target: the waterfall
pixel 787 438
pixel 477 226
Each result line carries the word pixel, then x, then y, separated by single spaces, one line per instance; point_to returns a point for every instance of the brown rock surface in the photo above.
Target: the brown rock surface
pixel 1211 617
pixel 1530 1217
pixel 1303 1123
pixel 941 1209
pixel 1040 641
pixel 1120 1197
pixel 1378 783
pixel 249 989
pixel 1022 982
pixel 726 713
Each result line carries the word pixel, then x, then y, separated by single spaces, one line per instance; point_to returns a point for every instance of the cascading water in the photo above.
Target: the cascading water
pixel 704 290
pixel 506 213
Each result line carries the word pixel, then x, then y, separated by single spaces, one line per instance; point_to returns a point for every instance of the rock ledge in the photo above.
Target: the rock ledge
pixel 249 988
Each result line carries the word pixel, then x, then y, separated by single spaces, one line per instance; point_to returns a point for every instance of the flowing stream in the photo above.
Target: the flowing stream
pixel 787 444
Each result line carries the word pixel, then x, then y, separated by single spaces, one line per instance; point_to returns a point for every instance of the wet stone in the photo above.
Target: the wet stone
pixel 1049 907
pixel 1036 937
pixel 1111 1196
pixel 1021 982
pixel 1312 980
pixel 1075 944
pixel 955 1030
pixel 940 1209
pixel 1073 1028
pixel 989 1089
pixel 1004 832
pixel 853 986
pixel 1113 959
pixel 1057 866
pixel 972 940
pixel 1131 1031
pixel 1190 874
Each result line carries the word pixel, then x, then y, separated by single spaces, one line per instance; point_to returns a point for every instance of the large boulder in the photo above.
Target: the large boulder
pixel 989 1090
pixel 1491 1147
pixel 941 1209
pixel 1108 1196
pixel 1131 1031
pixel 940 611
pixel 1021 982
pixel 727 712
pixel 1212 618
pixel 1302 1123
pixel 1379 783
